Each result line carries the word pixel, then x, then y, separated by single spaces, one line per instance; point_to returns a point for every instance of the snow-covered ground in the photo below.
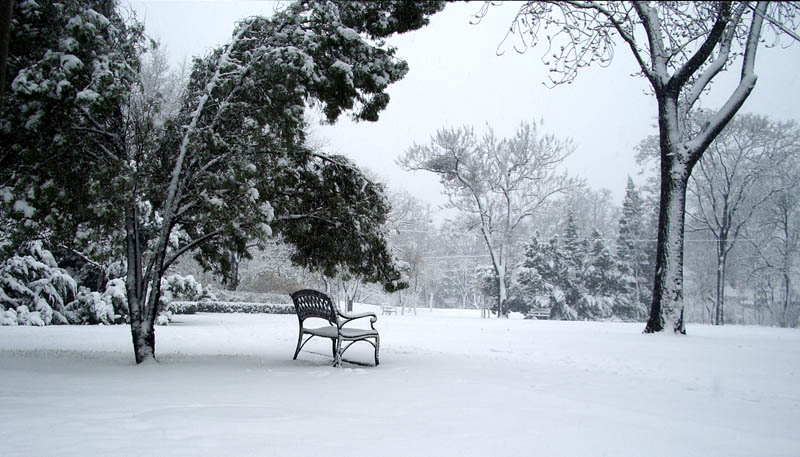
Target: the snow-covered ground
pixel 449 384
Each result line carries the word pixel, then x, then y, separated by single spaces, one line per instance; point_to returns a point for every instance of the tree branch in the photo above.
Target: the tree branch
pixel 683 74
pixel 747 81
pixel 716 65
pixel 191 245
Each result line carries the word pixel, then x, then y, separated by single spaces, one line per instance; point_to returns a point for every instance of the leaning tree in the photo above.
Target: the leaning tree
pixel 680 48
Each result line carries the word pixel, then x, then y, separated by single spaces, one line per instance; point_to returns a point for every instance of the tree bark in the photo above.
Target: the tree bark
pixel 233 274
pixel 786 298
pixel 722 259
pixel 143 335
pixel 667 307
pixel 6 12
pixel 786 267
pixel 502 293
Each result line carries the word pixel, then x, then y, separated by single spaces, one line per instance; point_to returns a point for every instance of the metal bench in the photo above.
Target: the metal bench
pixel 538 313
pixel 387 309
pixel 309 303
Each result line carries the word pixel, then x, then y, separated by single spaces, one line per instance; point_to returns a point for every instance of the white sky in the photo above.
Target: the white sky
pixel 457 78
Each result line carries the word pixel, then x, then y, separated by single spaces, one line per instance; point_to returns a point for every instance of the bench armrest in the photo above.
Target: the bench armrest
pixel 351 317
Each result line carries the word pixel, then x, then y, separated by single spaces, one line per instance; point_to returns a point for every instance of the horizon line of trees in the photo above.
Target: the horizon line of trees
pixel 587 258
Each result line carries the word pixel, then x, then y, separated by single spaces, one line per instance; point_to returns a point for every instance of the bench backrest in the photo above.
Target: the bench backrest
pixel 313 303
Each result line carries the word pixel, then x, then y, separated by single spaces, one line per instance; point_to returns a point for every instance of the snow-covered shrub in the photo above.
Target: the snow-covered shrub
pixel 26 317
pixel 595 307
pixel 561 309
pixel 93 308
pixel 35 288
pixel 9 317
pixel 179 288
pixel 117 296
pixel 185 288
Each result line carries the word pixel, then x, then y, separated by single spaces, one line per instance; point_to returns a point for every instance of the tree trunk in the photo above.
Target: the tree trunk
pixel 142 328
pixel 786 268
pixel 144 341
pixel 6 12
pixel 233 275
pixel 721 266
pixel 400 303
pixel 786 298
pixel 502 293
pixel 667 308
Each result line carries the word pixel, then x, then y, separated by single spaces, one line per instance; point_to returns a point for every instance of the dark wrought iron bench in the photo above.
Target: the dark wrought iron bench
pixel 309 303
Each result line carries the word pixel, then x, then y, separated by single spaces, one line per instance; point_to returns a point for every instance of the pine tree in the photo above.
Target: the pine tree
pixel 609 281
pixel 72 66
pixel 207 181
pixel 634 247
pixel 534 274
pixel 551 273
pixel 574 251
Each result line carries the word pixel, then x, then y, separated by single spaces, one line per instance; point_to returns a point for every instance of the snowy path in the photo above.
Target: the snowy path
pixel 448 385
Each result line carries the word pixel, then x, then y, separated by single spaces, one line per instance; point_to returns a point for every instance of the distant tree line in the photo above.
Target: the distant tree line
pixel 587 257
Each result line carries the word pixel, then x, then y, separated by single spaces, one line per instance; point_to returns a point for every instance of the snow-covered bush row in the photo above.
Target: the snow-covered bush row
pixel 253 297
pixel 229 307
pixel 35 291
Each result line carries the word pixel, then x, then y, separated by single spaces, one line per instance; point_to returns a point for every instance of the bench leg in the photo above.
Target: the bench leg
pixel 377 349
pixel 337 352
pixel 299 341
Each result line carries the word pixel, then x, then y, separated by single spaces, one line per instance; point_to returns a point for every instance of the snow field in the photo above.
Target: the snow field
pixel 449 384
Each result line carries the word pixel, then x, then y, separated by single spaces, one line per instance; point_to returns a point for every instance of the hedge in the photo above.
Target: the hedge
pixel 191 307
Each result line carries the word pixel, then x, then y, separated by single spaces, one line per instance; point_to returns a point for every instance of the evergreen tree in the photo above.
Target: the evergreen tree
pixel 207 181
pixel 635 248
pixel 610 284
pixel 573 258
pixel 534 276
pixel 552 273
pixel 576 278
pixel 72 66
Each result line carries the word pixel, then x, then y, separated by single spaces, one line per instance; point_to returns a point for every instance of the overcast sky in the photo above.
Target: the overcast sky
pixel 457 78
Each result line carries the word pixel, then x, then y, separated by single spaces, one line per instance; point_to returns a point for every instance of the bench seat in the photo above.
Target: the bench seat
pixel 332 332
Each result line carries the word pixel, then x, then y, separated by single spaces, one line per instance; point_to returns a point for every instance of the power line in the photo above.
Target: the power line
pixel 585 238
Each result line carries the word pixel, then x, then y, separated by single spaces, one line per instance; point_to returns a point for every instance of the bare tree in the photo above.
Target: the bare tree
pixel 775 242
pixel 724 192
pixel 594 209
pixel 680 48
pixel 412 238
pixel 500 183
pixel 461 261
